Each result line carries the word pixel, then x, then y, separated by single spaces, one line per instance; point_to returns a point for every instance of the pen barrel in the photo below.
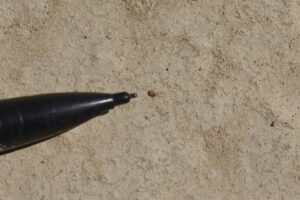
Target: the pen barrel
pixel 29 120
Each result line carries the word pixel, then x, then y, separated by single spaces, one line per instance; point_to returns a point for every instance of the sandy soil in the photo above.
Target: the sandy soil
pixel 223 123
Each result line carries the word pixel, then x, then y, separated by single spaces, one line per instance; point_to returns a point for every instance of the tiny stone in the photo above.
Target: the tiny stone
pixel 151 93
pixel 272 124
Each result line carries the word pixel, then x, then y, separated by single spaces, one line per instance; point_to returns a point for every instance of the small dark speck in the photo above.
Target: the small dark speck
pixel 146 117
pixel 42 161
pixel 151 93
pixel 167 69
pixel 85 37
pixel 272 124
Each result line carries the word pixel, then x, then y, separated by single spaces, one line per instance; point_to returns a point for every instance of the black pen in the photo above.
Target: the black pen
pixel 25 121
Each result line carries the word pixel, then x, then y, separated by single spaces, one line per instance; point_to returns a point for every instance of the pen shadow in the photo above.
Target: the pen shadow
pixel 30 144
pixel 13 149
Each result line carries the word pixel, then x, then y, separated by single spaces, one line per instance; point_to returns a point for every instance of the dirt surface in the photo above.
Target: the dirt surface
pixel 223 123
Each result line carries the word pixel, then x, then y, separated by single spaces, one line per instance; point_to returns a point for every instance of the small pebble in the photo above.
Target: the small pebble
pixel 151 93
pixel 272 124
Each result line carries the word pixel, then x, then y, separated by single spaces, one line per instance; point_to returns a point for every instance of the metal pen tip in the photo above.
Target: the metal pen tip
pixel 133 95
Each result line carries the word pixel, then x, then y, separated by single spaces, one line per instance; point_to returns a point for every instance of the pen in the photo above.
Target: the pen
pixel 25 121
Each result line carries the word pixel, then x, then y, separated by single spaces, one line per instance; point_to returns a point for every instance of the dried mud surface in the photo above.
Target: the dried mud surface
pixel 223 123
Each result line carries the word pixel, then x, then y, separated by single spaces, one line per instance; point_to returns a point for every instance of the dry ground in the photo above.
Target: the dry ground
pixel 224 124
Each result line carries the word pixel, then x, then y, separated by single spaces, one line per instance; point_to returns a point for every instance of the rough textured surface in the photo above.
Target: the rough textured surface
pixel 224 123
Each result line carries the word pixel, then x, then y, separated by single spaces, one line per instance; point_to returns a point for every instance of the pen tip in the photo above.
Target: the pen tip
pixel 123 97
pixel 133 95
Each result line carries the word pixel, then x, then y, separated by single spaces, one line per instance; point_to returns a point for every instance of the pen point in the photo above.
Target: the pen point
pixel 123 97
pixel 133 95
